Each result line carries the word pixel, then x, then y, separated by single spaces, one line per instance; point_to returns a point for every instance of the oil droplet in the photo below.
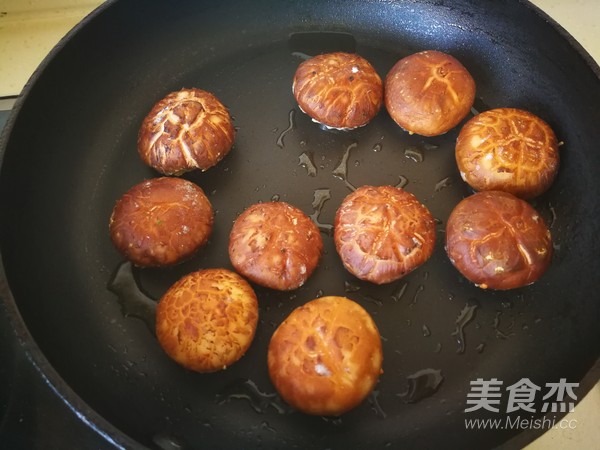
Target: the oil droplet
pixel 480 347
pixel 375 405
pixel 422 384
pixel 275 197
pixel 496 327
pixel 351 287
pixel 507 304
pixel 415 299
pixel 305 160
pixel 438 348
pixel 466 315
pixel 290 127
pixel 134 303
pixel 301 55
pixel 553 219
pixel 414 153
pixel 377 147
pixel 248 390
pixel 399 291
pixel 265 426
pixel 320 196
pixel 341 171
pixel 443 183
pixel 426 331
pixel 402 181
pixel 337 421
pixel 373 300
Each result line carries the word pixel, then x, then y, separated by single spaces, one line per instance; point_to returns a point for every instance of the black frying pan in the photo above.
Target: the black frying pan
pixel 69 152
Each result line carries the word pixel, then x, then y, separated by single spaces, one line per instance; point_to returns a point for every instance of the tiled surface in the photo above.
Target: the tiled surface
pixel 29 30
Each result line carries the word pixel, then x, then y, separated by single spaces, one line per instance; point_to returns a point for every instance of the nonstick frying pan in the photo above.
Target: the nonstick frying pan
pixel 84 316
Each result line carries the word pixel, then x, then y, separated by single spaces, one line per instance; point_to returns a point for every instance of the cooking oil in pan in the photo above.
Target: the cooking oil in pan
pixel 341 170
pixel 415 153
pixel 351 287
pixel 422 384
pixel 466 315
pixel 306 160
pixel 402 182
pixel 415 299
pixel 442 184
pixel 375 405
pixel 320 196
pixel 399 291
pixel 134 303
pixel 290 127
pixel 496 327
pixel 248 390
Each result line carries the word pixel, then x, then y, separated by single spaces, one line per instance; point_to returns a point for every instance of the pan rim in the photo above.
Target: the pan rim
pixel 31 350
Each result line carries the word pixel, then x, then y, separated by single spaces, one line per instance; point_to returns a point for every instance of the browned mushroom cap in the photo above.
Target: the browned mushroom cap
pixel 498 241
pixel 509 150
pixel 188 129
pixel 207 320
pixel 276 245
pixel 326 356
pixel 382 233
pixel 428 93
pixel 161 222
pixel 339 90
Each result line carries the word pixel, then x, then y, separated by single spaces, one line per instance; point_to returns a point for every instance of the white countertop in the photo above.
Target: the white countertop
pixel 29 29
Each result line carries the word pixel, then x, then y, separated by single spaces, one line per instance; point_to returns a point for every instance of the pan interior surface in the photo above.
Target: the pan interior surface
pixel 72 153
